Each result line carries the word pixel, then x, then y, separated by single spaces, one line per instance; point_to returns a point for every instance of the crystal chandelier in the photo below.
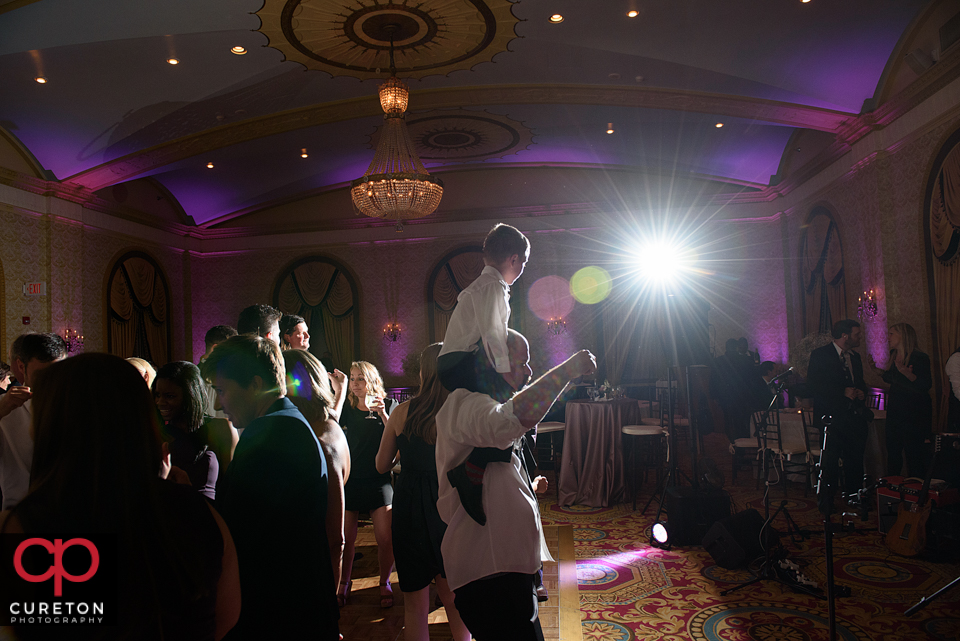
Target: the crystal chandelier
pixel 395 186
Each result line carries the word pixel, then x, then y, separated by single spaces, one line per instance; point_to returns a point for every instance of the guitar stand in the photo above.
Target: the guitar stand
pixel 796 534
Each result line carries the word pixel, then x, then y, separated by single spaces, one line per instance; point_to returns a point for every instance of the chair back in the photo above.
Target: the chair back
pixel 812 429
pixel 767 426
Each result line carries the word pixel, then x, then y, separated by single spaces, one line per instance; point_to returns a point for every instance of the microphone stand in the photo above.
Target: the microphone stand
pixel 767 572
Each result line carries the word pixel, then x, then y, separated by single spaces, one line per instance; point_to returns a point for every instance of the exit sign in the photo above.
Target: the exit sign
pixel 35 289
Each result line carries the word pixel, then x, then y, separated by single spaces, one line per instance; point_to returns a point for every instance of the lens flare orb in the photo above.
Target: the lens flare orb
pixel 591 285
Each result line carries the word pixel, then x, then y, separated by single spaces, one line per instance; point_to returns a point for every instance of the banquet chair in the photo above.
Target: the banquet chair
pixel 647 450
pixel 814 439
pixel 553 430
pixel 784 449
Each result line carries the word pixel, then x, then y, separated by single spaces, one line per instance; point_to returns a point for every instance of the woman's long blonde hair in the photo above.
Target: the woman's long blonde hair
pixel 308 386
pixel 422 412
pixel 908 340
pixel 371 376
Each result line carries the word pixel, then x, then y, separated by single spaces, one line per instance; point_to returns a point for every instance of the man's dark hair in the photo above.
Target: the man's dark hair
pixel 217 334
pixel 257 319
pixel 289 322
pixel 730 347
pixel 503 241
pixel 242 357
pixel 766 367
pixel 4 370
pixel 45 348
pixel 844 326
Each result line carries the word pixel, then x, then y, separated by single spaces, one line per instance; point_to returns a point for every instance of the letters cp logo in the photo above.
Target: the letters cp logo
pixel 56 570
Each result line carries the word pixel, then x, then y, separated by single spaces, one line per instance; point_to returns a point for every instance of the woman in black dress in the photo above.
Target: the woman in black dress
pixel 367 490
pixel 417 527
pixel 199 445
pixel 909 408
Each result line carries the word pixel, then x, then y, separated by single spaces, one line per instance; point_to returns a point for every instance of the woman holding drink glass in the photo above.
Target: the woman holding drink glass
pixel 362 419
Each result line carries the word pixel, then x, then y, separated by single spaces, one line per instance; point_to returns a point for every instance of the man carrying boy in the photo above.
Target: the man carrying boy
pixel 474 356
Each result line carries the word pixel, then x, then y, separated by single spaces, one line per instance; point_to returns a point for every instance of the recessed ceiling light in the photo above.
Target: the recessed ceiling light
pixel 718 125
pixel 804 1
pixel 303 152
pixel 638 78
pixel 209 165
pixel 173 61
pixel 613 76
pixel 634 13
pixel 238 50
pixel 556 18
pixel 609 127
pixel 41 80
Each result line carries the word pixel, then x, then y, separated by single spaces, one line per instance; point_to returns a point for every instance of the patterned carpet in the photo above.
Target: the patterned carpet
pixel 629 590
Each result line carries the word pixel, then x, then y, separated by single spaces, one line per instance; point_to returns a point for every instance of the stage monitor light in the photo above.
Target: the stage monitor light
pixel 660 535
pixel 663 263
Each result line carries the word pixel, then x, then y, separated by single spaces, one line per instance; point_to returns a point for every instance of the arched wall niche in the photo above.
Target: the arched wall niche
pixel 451 275
pixel 941 218
pixel 137 303
pixel 324 292
pixel 823 296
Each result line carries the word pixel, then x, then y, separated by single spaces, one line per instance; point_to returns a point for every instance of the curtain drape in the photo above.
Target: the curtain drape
pixel 138 312
pixel 944 234
pixel 823 276
pixel 454 276
pixel 321 293
pixel 619 320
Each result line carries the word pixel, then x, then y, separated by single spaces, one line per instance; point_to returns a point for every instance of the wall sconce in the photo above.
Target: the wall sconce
pixel 867 306
pixel 74 341
pixel 391 332
pixel 557 326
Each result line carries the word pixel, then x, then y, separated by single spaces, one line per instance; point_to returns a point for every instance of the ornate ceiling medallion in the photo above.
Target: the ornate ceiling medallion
pixel 458 135
pixel 347 38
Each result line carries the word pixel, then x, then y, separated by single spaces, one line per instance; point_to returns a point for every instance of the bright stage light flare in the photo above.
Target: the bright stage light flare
pixel 664 263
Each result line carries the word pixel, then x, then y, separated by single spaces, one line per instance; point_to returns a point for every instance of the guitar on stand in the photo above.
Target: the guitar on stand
pixel 908 536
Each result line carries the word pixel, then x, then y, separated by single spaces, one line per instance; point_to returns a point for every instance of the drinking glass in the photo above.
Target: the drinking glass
pixel 370 400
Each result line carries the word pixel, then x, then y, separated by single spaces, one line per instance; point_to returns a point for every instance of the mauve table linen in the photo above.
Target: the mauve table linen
pixel 591 471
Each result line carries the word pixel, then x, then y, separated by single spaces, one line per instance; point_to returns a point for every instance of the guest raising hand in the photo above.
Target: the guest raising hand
pixel 909 408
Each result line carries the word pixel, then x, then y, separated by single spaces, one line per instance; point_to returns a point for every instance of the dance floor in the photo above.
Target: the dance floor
pixel 629 590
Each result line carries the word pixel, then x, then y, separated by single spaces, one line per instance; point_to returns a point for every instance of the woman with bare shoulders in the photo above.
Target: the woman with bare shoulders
pixel 417 527
pixel 308 388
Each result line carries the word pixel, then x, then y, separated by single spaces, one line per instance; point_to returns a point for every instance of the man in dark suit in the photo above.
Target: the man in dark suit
pixel 274 498
pixel 835 375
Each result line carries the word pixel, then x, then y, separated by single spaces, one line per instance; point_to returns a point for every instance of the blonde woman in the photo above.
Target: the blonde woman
pixel 909 408
pixel 363 418
pixel 308 387
pixel 145 368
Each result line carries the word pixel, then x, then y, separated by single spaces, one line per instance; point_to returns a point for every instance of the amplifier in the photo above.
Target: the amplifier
pixel 690 512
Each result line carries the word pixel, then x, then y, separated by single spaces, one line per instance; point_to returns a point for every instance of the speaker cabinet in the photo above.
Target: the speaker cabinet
pixel 735 541
pixel 690 511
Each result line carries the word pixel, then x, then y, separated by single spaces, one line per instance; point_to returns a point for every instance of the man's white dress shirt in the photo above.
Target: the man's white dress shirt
pixel 511 539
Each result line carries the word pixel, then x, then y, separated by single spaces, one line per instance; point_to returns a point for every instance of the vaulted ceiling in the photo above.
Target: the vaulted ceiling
pixel 495 85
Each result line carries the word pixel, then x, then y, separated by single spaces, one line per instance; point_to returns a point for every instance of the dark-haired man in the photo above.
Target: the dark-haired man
pixel 274 498
pixel 261 320
pixel 214 336
pixel 835 376
pixel 492 568
pixel 29 354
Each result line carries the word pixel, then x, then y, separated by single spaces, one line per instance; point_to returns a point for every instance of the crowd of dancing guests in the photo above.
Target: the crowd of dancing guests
pixel 205 519
pixel 230 491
